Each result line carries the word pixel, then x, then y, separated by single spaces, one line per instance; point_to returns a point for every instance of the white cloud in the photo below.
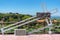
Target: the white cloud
pixel 56 14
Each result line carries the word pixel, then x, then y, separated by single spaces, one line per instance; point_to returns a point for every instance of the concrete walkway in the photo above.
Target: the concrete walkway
pixel 31 37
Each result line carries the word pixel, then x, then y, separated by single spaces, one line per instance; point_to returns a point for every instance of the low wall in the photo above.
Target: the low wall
pixel 31 37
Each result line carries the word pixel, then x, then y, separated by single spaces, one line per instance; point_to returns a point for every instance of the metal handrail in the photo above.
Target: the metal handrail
pixel 36 30
pixel 18 22
pixel 2 29
pixel 22 24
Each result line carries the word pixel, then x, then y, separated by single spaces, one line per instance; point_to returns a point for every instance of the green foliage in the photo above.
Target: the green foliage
pixel 8 17
pixel 25 17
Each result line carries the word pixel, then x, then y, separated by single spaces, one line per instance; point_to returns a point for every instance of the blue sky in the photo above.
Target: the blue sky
pixel 28 6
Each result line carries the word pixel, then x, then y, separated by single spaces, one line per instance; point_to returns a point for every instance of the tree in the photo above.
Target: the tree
pixel 11 19
pixel 25 17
